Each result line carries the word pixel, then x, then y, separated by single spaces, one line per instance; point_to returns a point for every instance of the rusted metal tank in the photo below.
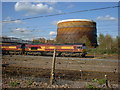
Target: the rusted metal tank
pixel 72 30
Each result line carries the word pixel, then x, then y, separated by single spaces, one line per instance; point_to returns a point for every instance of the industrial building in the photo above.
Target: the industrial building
pixel 13 40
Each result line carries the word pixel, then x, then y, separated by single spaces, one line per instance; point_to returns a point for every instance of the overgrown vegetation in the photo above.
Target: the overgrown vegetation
pixel 85 40
pixel 96 84
pixel 99 81
pixel 29 82
pixel 14 83
pixel 90 86
pixel 106 45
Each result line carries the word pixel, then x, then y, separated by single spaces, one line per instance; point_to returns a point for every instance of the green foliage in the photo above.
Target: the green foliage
pixel 95 80
pixel 101 40
pixel 36 42
pixel 107 45
pixel 85 40
pixel 61 41
pixel 101 81
pixel 90 86
pixel 29 82
pixel 14 83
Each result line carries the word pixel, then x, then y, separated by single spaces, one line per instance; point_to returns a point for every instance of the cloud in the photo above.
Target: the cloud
pixel 52 33
pixel 21 31
pixel 34 8
pixel 106 18
pixel 51 3
pixel 8 20
pixel 54 22
pixel 70 6
pixel 16 21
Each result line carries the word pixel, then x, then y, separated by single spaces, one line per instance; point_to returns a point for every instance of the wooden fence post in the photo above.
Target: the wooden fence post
pixel 81 75
pixel 53 68
pixel 108 85
pixel 106 81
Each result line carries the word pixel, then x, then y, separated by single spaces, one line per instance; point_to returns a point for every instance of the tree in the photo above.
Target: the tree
pixel 101 41
pixel 108 42
pixel 85 40
pixel 115 45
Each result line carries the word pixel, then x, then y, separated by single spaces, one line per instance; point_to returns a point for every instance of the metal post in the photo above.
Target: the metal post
pixel 53 68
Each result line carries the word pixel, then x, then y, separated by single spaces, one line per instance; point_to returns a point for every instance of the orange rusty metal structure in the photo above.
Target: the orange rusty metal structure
pixel 71 30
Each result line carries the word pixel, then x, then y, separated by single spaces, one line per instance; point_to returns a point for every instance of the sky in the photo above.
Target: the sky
pixel 46 27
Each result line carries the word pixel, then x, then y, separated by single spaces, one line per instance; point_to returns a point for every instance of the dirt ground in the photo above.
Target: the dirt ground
pixel 65 63
pixel 66 68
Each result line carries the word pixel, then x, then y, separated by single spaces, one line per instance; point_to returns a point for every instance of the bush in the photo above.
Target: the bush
pixel 29 82
pixel 102 81
pixel 90 86
pixel 99 81
pixel 102 51
pixel 95 80
pixel 14 84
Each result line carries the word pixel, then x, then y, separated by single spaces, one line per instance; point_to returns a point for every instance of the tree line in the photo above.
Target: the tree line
pixel 107 44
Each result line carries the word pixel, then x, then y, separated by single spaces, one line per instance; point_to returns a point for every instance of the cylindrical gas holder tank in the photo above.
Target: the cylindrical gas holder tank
pixel 71 30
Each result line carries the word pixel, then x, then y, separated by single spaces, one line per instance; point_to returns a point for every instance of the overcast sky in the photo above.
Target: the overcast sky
pixel 107 19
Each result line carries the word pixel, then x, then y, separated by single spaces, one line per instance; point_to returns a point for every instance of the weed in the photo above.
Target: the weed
pixel 90 86
pixel 14 83
pixel 102 81
pixel 29 82
pixel 95 80
pixel 99 81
